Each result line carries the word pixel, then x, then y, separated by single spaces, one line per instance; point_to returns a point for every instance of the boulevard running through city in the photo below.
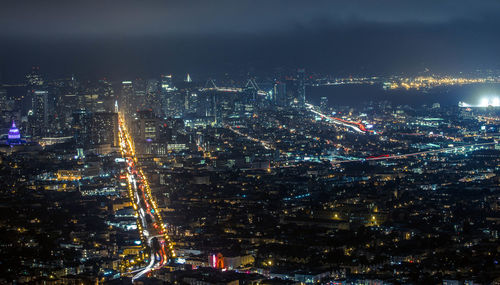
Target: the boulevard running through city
pixel 153 232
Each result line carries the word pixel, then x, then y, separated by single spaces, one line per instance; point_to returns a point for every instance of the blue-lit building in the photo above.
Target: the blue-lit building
pixel 14 136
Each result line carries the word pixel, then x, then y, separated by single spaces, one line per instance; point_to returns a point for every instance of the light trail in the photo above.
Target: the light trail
pixel 265 144
pixel 399 156
pixel 150 224
pixel 358 127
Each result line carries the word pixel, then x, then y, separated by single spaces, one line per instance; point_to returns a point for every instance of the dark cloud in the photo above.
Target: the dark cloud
pixel 132 18
pixel 127 38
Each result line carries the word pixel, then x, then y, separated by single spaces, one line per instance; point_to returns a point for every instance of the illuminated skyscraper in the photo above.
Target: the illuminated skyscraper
pixel 40 108
pixel 301 87
pixel 166 83
pixel 81 127
pixel 3 99
pixel 139 98
pixel 33 78
pixel 4 115
pixel 152 98
pixel 127 94
pixel 279 94
pixel 34 82
pixel 104 129
pixel 323 103
pixel 171 101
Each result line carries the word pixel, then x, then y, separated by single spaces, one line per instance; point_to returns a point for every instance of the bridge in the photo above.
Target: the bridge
pixel 407 155
pixel 251 86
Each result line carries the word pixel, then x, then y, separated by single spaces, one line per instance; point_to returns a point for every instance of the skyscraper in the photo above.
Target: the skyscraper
pixel 279 94
pixel 34 78
pixel 34 82
pixel 127 94
pixel 323 104
pixel 301 87
pixel 40 108
pixel 4 115
pixel 139 98
pixel 82 128
pixel 152 98
pixel 104 129
pixel 166 82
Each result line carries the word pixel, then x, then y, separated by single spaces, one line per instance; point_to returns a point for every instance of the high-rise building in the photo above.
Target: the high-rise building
pixel 81 125
pixel 301 87
pixel 279 94
pixel 40 108
pixel 34 82
pixel 126 95
pixel 192 103
pixel 152 95
pixel 323 103
pixel 172 102
pixel 4 106
pixel 104 129
pixel 146 126
pixel 167 83
pixel 139 98
pixel 3 99
pixel 33 78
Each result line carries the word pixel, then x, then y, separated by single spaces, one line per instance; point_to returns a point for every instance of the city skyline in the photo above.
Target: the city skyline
pixel 277 142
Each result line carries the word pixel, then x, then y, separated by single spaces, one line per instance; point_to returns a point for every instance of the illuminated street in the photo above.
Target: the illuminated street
pixel 358 127
pixel 150 225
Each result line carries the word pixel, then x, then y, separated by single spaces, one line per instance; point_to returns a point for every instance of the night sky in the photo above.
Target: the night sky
pixel 144 38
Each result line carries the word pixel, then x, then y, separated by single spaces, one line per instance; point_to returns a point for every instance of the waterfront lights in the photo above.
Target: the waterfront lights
pixel 489 102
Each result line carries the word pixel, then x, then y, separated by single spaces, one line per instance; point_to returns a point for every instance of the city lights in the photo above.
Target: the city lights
pixel 250 142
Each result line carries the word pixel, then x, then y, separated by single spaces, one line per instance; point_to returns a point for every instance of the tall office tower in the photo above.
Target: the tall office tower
pixel 152 98
pixel 40 108
pixel 33 78
pixel 279 94
pixel 323 103
pixel 126 96
pixel 106 95
pixel 170 99
pixel 140 94
pixel 34 81
pixel 301 87
pixel 81 125
pixel 147 126
pixel 104 129
pixel 173 103
pixel 4 107
pixel 193 103
pixel 167 83
pixel 188 78
pixel 146 135
pixel 3 98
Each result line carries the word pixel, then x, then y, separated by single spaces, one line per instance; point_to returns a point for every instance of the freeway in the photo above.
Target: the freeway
pixel 151 227
pixel 401 156
pixel 358 127
pixel 265 144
